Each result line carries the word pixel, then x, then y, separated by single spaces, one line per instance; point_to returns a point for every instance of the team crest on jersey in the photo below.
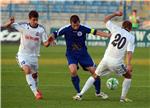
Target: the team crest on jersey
pixel 79 33
pixel 37 33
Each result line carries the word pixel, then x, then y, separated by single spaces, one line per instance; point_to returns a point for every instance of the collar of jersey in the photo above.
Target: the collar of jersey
pixel 33 27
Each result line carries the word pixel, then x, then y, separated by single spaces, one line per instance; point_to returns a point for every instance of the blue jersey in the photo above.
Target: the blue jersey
pixel 75 42
pixel 75 39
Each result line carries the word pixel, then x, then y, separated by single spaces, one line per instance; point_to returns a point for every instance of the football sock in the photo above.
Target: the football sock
pixel 125 87
pixel 97 85
pixel 32 83
pixel 87 85
pixel 35 77
pixel 76 83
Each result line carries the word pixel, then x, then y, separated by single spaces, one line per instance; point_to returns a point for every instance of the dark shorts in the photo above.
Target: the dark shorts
pixel 82 58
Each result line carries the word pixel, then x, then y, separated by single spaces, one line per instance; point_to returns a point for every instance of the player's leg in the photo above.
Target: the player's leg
pixel 74 77
pixel 88 65
pixel 73 65
pixel 29 78
pixel 23 63
pixel 34 67
pixel 121 70
pixel 97 83
pixel 98 72
pixel 125 87
pixel 91 81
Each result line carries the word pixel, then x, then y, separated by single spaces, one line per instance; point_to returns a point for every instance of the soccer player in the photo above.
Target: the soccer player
pixel 121 44
pixel 32 34
pixel 76 52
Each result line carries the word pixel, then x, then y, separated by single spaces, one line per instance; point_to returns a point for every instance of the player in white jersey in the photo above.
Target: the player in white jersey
pixel 32 34
pixel 121 43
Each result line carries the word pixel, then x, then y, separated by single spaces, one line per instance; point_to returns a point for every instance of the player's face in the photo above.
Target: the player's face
pixel 33 21
pixel 75 26
pixel 134 13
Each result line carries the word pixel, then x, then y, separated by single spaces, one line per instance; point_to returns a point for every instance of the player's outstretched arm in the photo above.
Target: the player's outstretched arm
pixel 46 44
pixel 51 39
pixel 8 24
pixel 103 34
pixel 109 17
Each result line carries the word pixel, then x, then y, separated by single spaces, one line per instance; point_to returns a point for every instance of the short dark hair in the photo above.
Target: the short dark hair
pixel 134 10
pixel 74 19
pixel 127 25
pixel 34 14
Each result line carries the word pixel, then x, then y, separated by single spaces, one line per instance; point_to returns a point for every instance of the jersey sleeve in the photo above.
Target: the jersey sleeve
pixel 18 26
pixel 112 27
pixel 90 30
pixel 44 36
pixel 60 32
pixel 131 45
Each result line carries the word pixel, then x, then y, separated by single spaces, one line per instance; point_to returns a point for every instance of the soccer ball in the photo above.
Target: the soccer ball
pixel 112 83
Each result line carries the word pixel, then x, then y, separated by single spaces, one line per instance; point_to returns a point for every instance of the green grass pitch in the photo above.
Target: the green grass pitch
pixel 55 82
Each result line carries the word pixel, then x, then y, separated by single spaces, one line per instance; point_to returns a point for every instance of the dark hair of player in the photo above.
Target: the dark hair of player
pixel 134 11
pixel 127 25
pixel 34 14
pixel 74 19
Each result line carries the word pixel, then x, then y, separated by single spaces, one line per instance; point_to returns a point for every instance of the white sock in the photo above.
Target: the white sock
pixel 32 83
pixel 87 85
pixel 125 87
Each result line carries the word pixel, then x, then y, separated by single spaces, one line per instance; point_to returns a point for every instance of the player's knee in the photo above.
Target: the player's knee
pixel 92 70
pixel 35 75
pixel 95 76
pixel 26 69
pixel 128 75
pixel 73 73
pixel 73 70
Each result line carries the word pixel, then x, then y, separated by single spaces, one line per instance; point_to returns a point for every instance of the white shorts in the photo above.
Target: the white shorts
pixel 28 60
pixel 105 67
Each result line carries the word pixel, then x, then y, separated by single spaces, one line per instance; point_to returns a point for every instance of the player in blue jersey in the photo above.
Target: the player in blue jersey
pixel 76 52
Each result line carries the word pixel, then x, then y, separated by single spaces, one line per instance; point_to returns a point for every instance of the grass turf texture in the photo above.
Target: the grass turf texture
pixel 55 81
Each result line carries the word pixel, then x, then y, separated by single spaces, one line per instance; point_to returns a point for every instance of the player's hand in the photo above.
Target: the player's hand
pixel 11 20
pixel 118 13
pixel 52 43
pixel 129 68
pixel 109 35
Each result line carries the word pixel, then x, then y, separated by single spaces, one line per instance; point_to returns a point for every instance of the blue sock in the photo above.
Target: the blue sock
pixel 97 85
pixel 75 82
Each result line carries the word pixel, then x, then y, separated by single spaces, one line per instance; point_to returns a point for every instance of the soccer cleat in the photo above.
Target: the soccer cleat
pixel 77 97
pixel 125 100
pixel 101 94
pixel 38 95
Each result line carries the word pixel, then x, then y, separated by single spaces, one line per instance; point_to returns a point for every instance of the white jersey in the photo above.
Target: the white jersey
pixel 31 38
pixel 120 42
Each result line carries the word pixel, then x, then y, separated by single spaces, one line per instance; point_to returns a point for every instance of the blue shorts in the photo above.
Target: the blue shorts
pixel 80 57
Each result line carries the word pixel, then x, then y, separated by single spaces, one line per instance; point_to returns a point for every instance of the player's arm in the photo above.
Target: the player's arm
pixel 9 23
pixel 102 34
pixel 129 58
pixel 51 39
pixel 45 39
pixel 56 34
pixel 46 44
pixel 97 32
pixel 109 17
pixel 130 50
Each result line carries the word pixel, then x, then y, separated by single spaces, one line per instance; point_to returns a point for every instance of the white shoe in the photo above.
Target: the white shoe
pixel 125 100
pixel 102 94
pixel 77 97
